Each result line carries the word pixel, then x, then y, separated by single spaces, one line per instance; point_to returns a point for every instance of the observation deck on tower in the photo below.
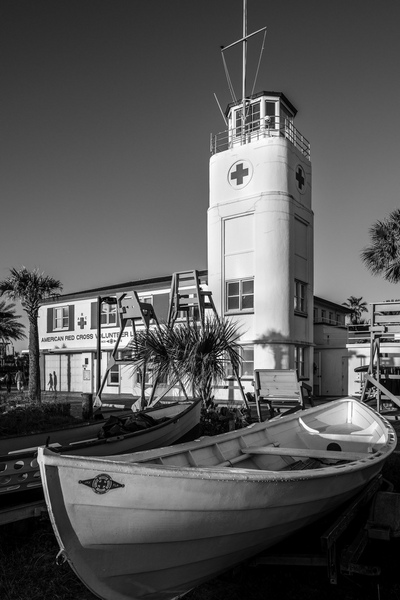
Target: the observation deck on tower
pixel 268 114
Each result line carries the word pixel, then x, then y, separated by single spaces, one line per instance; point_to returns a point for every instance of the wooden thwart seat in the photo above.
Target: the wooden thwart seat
pixel 306 452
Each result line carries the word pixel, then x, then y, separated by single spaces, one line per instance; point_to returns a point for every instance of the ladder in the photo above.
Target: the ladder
pixel 189 300
pixel 130 309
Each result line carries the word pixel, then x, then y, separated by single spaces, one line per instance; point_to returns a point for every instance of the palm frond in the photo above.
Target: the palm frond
pixel 10 328
pixel 196 355
pixel 30 288
pixel 382 256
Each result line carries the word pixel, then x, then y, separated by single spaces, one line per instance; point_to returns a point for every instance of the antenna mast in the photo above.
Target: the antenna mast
pixel 244 56
pixel 243 41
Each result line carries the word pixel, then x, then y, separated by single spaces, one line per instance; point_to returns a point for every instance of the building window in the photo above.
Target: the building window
pixel 300 297
pixel 247 364
pixel 150 378
pixel 108 314
pixel 113 375
pixel 61 318
pixel 240 295
pixel 299 359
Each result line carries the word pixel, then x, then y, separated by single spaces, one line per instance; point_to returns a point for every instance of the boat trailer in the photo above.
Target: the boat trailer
pixel 372 515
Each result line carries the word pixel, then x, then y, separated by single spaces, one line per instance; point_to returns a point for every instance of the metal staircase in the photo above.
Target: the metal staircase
pixel 382 371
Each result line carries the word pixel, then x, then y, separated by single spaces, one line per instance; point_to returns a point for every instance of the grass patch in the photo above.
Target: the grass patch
pixel 28 569
pixel 34 417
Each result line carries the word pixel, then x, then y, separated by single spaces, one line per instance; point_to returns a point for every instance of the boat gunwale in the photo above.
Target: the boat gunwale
pixel 50 458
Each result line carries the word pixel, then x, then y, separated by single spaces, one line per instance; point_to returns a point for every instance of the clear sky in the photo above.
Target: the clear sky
pixel 107 108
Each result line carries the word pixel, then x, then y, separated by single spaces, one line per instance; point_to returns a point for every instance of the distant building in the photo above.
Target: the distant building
pixel 68 335
pixel 330 377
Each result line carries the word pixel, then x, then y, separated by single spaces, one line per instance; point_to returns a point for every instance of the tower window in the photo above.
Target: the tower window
pixel 270 111
pixel 300 304
pixel 247 364
pixel 300 360
pixel 252 118
pixel 247 361
pixel 240 295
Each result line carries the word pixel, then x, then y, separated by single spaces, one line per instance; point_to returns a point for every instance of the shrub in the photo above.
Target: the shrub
pixel 35 417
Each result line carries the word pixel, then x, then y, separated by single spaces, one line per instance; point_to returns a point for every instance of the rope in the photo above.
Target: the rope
pixel 258 67
pixel 228 79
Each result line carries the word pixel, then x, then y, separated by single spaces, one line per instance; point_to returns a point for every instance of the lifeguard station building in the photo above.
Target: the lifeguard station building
pixel 260 269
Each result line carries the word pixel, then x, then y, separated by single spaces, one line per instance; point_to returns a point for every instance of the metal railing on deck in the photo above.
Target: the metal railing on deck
pixel 358 334
pixel 260 129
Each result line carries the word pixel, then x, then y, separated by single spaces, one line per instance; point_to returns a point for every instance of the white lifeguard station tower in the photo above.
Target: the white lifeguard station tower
pixel 260 228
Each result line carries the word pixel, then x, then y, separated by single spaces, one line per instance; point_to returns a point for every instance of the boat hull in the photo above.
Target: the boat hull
pixel 158 531
pixel 19 469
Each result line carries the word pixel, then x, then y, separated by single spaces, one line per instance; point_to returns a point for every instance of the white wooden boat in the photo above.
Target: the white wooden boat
pixel 156 524
pixel 167 423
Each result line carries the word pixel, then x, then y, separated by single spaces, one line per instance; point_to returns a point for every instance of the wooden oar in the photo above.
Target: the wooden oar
pixel 307 452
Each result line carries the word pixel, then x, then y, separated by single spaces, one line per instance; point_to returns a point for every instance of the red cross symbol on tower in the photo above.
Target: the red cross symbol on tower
pixel 300 178
pixel 239 174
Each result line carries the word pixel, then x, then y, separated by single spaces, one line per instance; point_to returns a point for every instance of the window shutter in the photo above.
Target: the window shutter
pixel 50 320
pixel 71 319
pixel 93 315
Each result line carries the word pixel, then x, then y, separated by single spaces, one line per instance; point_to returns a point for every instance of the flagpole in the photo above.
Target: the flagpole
pixel 244 55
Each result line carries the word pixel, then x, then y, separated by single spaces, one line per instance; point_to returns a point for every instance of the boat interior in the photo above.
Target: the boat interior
pixel 334 434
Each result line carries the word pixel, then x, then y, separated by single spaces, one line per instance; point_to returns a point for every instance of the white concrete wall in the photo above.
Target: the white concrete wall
pixel 270 194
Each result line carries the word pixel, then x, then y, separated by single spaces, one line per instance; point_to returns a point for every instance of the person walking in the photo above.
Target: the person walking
pixel 55 381
pixel 19 380
pixel 50 384
pixel 8 380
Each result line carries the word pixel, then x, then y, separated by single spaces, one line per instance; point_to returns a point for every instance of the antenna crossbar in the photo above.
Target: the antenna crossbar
pixel 243 39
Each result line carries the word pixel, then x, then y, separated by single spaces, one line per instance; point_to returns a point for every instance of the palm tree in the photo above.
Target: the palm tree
pixel 31 288
pixel 357 307
pixel 196 355
pixel 10 328
pixel 382 257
